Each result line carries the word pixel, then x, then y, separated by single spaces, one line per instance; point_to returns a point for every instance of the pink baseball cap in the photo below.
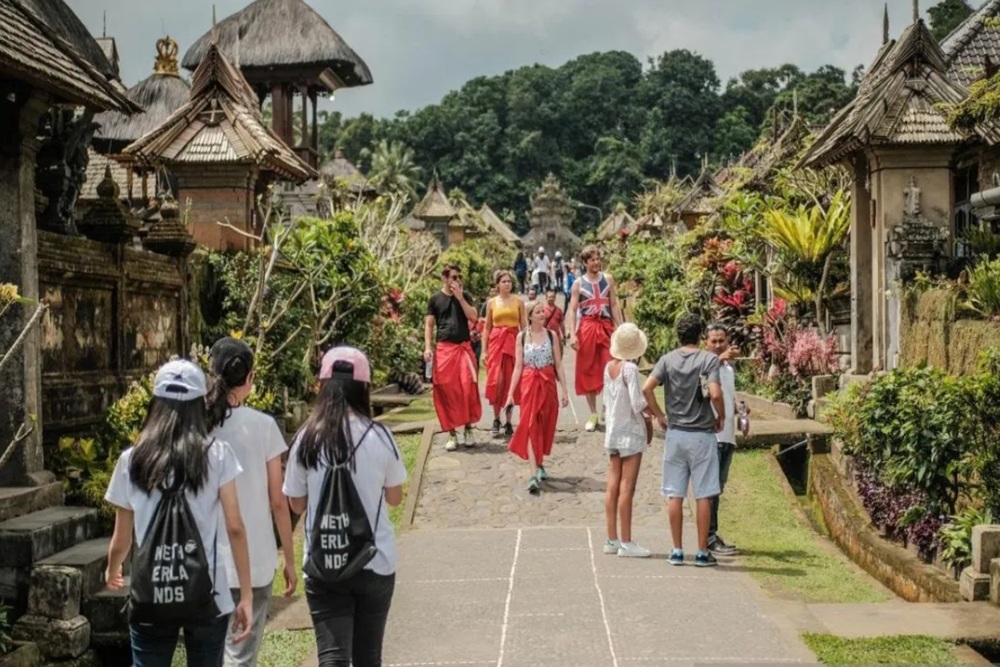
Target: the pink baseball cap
pixel 352 355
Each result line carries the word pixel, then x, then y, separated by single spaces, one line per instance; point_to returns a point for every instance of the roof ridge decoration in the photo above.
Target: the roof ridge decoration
pixel 902 100
pixel 220 123
pixel 166 57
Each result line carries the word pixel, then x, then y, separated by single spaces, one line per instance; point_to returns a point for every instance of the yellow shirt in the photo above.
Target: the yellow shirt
pixel 506 316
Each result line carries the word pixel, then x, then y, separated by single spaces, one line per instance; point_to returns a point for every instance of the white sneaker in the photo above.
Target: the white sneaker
pixel 591 424
pixel 632 550
pixel 452 444
pixel 469 438
pixel 611 547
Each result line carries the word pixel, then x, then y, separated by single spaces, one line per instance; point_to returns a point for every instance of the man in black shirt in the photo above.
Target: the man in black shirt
pixel 456 381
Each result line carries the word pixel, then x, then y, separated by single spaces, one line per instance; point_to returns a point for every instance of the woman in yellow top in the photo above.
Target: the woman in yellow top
pixel 505 318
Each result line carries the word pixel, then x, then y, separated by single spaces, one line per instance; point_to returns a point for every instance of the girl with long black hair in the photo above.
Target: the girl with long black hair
pixel 175 453
pixel 349 617
pixel 259 445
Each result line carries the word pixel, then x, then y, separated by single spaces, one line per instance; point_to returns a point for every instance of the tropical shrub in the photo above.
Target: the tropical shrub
pixel 956 537
pixel 982 293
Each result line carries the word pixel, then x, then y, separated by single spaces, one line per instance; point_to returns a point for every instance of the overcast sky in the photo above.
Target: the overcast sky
pixel 418 50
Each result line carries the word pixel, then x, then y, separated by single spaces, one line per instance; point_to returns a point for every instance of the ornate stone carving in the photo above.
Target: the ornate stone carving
pixel 109 221
pixel 169 236
pixel 62 166
pixel 912 194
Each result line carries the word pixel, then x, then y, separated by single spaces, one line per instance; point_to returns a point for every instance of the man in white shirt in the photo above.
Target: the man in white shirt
pixel 718 344
pixel 543 266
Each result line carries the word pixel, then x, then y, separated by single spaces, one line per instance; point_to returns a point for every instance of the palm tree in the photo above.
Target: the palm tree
pixel 394 168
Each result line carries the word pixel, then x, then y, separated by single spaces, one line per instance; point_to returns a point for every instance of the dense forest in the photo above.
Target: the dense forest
pixel 604 123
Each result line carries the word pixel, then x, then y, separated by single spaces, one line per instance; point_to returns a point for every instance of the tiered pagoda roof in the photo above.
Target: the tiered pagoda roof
pixel 903 99
pixel 973 44
pixel 220 124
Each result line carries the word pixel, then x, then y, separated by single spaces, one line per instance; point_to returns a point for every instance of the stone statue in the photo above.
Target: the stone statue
pixel 912 207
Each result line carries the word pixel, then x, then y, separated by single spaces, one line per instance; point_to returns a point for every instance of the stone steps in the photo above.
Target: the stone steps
pixel 27 539
pixel 106 611
pixel 90 558
pixel 20 500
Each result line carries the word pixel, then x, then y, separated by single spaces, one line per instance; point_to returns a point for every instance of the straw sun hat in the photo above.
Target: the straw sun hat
pixel 628 342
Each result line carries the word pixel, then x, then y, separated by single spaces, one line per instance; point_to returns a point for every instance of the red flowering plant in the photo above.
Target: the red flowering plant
pixel 734 301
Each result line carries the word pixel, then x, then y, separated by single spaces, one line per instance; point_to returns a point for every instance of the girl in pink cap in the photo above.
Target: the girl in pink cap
pixel 349 616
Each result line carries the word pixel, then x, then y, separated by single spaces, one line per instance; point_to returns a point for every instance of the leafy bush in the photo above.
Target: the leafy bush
pixel 956 537
pixel 982 294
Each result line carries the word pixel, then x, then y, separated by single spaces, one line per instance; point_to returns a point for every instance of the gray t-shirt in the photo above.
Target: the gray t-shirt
pixel 682 373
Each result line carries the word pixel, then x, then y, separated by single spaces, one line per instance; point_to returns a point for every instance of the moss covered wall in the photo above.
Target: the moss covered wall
pixel 930 332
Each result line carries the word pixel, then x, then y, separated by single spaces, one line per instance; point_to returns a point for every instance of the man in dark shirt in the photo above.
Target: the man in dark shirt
pixel 456 381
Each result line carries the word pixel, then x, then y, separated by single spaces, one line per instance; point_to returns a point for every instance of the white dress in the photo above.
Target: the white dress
pixel 625 429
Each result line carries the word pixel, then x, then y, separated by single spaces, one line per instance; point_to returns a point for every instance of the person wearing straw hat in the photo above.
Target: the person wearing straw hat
pixel 625 438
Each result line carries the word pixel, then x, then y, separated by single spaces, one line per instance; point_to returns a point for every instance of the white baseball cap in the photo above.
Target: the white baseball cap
pixel 541 249
pixel 180 380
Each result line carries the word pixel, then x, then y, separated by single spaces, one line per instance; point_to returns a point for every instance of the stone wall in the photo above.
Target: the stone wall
pixel 930 331
pixel 114 314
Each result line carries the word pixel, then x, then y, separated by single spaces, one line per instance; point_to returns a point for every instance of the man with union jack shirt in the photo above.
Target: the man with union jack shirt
pixel 592 315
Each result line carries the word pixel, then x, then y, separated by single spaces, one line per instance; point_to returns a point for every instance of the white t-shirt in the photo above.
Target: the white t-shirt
pixel 543 264
pixel 223 467
pixel 378 466
pixel 727 378
pixel 255 439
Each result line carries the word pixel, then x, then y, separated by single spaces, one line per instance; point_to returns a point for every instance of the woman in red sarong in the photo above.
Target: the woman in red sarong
pixel 505 318
pixel 592 315
pixel 537 368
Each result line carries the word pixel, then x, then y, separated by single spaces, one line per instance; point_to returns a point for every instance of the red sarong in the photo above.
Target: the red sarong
pixel 456 386
pixel 500 350
pixel 593 352
pixel 539 413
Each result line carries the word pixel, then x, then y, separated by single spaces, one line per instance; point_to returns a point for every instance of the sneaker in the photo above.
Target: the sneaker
pixel 591 424
pixel 452 443
pixel 705 559
pixel 632 550
pixel 611 547
pixel 533 486
pixel 718 546
pixel 469 437
pixel 496 428
pixel 542 474
pixel 508 430
pixel 676 557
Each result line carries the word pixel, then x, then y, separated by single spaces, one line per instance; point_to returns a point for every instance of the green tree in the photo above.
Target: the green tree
pixel 393 168
pixel 946 16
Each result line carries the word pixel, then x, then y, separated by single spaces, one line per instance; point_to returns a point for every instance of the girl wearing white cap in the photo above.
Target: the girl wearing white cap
pixel 173 457
pixel 625 438
pixel 348 616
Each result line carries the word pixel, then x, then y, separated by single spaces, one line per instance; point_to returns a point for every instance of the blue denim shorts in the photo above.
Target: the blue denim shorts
pixel 690 457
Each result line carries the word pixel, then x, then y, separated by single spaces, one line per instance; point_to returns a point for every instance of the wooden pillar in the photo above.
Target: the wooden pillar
pixel 20 379
pixel 315 123
pixel 862 313
pixel 304 138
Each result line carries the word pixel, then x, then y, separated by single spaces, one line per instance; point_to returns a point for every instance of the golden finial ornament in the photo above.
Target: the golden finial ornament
pixel 166 57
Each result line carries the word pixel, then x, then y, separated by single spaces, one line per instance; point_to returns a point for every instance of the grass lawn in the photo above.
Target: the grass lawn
pixel 898 650
pixel 785 555
pixel 409 445
pixel 420 410
pixel 281 648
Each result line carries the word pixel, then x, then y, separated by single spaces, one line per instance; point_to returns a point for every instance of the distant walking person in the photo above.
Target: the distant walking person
pixel 718 344
pixel 537 370
pixel 558 270
pixel 455 377
pixel 505 318
pixel 258 444
pixel 344 472
pixel 625 438
pixel 592 315
pixel 177 486
pixel 521 271
pixel 555 321
pixel 690 379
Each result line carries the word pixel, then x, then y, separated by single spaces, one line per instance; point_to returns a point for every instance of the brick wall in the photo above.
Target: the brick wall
pixel 218 194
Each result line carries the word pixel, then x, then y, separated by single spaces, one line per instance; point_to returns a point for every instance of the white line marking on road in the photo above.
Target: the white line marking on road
pixel 454 581
pixel 536 615
pixel 437 664
pixel 560 549
pixel 663 576
pixel 698 660
pixel 600 596
pixel 510 594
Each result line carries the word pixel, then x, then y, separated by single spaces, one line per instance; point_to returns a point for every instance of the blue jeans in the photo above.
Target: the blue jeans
pixel 154 645
pixel 726 450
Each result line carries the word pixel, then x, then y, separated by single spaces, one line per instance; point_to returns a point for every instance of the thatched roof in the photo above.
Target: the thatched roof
pixel 614 223
pixel 434 205
pixel 97 164
pixel 44 44
pixel 704 188
pixel 220 124
pixel 903 99
pixel 285 34
pixel 342 168
pixel 160 94
pixel 969 46
pixel 498 226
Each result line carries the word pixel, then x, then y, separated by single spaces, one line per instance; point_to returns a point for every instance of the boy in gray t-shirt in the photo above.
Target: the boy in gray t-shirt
pixel 690 379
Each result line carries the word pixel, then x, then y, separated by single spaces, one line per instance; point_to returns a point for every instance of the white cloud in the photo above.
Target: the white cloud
pixel 420 49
